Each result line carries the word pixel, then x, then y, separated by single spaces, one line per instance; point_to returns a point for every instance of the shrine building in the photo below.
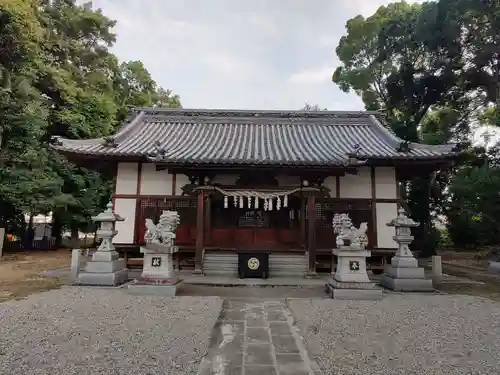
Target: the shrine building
pixel 246 180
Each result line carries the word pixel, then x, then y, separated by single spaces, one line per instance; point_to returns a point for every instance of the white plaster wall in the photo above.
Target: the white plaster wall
pixel 126 178
pixel 155 182
pixel 356 186
pixel 385 213
pixel 331 183
pixel 385 183
pixel 180 181
pixel 125 207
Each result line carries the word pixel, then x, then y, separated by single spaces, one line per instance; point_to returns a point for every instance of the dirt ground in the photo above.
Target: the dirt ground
pixel 20 272
pixel 478 259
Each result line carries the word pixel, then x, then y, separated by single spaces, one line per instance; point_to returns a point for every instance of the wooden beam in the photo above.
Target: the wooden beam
pixel 200 209
pixel 311 236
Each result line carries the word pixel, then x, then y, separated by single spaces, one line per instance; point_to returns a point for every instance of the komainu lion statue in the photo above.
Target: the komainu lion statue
pixel 164 231
pixel 346 231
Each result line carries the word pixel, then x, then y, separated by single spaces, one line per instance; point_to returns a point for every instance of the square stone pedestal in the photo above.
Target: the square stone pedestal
pixel 494 267
pixel 156 287
pixel 104 269
pixel 404 275
pixel 157 276
pixel 351 280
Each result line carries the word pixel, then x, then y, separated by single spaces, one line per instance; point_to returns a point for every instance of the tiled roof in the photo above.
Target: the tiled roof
pixel 180 136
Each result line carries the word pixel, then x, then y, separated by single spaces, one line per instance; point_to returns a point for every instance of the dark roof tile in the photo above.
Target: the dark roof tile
pixel 254 137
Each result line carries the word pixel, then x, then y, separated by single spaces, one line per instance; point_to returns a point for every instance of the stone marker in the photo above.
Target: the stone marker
pixel 404 274
pixel 75 264
pixel 437 270
pixel 351 280
pixel 494 267
pixel 105 267
pixel 158 276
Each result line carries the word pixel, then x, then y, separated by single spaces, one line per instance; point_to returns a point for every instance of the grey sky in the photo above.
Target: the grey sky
pixel 258 54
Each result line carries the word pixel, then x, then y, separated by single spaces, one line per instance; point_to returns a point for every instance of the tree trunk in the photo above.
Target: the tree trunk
pixel 74 237
pixel 29 233
pixel 56 231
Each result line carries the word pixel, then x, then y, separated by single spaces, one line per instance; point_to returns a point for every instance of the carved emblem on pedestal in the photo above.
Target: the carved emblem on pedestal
pixel 354 265
pixel 156 262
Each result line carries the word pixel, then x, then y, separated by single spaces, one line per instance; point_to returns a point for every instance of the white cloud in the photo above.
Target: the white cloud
pixel 312 76
pixel 259 54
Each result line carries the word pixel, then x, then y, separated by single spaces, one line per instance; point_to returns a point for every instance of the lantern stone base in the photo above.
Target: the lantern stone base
pixel 154 286
pixel 404 275
pixel 103 272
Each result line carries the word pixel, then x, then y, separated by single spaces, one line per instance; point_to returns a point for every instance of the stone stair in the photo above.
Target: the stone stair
pixel 280 265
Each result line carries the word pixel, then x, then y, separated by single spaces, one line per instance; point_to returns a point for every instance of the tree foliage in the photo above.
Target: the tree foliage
pixel 59 77
pixel 433 69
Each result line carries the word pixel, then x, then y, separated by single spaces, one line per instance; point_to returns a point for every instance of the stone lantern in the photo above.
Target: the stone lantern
pixel 404 274
pixel 105 267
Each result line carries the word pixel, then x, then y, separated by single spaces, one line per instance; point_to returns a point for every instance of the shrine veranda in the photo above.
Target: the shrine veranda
pixel 256 180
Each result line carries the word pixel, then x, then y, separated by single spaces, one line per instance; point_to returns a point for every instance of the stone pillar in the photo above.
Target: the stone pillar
pixel 404 274
pixel 437 270
pixel 105 267
pixel 75 265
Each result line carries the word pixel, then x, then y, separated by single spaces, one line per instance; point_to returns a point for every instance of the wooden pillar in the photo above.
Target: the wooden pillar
pixel 303 228
pixel 207 225
pixel 311 234
pixel 200 209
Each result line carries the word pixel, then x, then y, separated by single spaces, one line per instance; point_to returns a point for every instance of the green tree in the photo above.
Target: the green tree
pixel 59 78
pixel 27 183
pixel 406 60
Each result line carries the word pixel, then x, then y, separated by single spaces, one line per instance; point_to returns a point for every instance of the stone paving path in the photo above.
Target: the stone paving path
pixel 256 338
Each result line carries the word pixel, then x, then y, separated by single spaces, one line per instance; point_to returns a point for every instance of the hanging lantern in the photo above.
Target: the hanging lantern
pixel 241 202
pixel 225 201
pixel 278 203
pixel 285 201
pixel 256 203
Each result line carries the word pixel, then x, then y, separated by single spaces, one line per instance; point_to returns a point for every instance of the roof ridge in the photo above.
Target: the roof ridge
pixel 253 113
pixel 248 121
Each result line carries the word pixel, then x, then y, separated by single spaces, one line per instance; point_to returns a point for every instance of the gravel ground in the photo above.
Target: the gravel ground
pixel 104 331
pixel 402 334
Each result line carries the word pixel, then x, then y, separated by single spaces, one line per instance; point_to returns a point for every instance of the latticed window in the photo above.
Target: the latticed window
pixel 359 211
pixel 152 209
